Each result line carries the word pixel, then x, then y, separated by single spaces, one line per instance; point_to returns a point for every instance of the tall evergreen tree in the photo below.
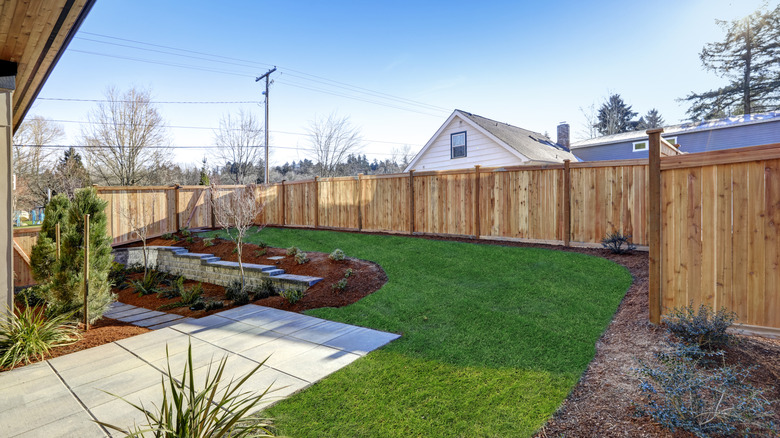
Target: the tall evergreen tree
pixel 44 253
pixel 615 116
pixel 67 283
pixel 749 57
pixel 651 120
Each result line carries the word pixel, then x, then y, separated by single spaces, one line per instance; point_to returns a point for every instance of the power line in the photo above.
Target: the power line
pixel 242 75
pixel 191 67
pixel 303 134
pixel 250 63
pixel 84 146
pixel 202 102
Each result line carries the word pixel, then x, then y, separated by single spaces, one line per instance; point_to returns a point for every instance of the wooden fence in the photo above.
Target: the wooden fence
pixel 710 220
pixel 719 216
pixel 24 240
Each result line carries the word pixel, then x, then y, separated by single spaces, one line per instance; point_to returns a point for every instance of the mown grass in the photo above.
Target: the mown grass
pixel 493 338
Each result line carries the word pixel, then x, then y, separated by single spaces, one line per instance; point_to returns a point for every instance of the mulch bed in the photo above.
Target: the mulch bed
pixel 366 278
pixel 103 331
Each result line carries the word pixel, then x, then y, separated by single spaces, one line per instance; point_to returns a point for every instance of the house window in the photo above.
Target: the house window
pixel 640 146
pixel 672 140
pixel 458 145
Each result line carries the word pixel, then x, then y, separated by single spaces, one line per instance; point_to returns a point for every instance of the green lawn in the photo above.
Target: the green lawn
pixel 493 338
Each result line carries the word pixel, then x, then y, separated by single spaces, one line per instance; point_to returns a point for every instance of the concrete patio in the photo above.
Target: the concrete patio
pixel 61 397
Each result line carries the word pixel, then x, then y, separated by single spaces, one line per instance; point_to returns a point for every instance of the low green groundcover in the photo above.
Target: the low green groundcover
pixel 493 338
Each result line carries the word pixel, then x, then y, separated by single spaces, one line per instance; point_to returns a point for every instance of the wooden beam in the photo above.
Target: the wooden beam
pixel 411 202
pixel 284 207
pixel 476 202
pixel 176 206
pixel 566 202
pixel 654 224
pixel 21 253
pixel 360 201
pixel 316 203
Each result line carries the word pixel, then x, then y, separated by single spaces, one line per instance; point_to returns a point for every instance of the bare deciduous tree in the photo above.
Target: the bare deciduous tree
pixel 239 140
pixel 591 119
pixel 126 139
pixel 333 139
pixel 236 211
pixel 32 164
pixel 140 218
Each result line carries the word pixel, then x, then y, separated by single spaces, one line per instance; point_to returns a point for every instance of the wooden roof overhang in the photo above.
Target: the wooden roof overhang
pixel 33 36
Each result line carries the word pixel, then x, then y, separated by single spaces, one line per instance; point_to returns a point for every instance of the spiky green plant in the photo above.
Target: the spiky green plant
pixel 214 411
pixel 149 284
pixel 27 334
pixel 67 282
pixel 188 297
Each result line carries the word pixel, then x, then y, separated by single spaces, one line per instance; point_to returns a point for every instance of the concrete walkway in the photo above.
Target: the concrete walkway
pixel 60 397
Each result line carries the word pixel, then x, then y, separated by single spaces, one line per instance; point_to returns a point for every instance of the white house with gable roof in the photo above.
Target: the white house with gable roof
pixel 466 140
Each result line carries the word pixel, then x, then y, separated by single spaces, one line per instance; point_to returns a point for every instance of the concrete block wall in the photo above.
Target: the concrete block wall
pixel 207 268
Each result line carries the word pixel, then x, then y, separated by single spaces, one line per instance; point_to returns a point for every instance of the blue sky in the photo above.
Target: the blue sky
pixel 530 64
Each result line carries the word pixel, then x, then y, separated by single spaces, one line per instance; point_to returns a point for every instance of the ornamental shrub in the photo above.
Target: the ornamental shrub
pixel 680 393
pixel 44 253
pixel 237 293
pixel 291 251
pixel 292 295
pixel 301 258
pixel 264 290
pixel 705 328
pixel 67 292
pixel 615 242
pixel 337 255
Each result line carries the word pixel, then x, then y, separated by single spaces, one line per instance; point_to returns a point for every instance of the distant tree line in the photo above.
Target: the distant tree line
pixel 126 143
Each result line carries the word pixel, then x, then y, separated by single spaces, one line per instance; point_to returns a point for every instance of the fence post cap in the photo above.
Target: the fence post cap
pixel 654 131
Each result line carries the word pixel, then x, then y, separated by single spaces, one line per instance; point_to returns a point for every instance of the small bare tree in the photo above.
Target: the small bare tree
pixel 140 219
pixel 126 139
pixel 332 139
pixel 32 163
pixel 236 211
pixel 239 140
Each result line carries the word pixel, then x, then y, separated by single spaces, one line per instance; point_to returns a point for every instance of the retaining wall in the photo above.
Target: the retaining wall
pixel 208 268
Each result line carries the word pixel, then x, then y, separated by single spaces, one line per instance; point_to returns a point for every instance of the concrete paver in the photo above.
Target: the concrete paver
pixel 61 396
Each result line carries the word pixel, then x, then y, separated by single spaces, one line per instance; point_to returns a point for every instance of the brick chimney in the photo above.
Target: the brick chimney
pixel 563 135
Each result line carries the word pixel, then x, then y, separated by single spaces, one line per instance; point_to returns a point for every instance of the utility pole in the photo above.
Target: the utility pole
pixel 266 76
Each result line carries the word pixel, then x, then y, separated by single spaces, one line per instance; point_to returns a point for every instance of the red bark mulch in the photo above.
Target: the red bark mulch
pixel 366 277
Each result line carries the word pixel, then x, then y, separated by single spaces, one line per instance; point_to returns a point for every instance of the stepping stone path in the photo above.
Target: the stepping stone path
pixel 141 317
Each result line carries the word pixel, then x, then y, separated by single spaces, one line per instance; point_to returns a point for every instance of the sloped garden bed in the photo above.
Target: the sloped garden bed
pixel 364 277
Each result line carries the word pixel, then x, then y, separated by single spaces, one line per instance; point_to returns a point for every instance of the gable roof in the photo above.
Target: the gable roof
pixel 526 145
pixel 683 128
pixel 533 145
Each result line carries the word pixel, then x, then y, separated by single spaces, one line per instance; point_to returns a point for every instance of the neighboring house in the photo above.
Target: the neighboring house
pixel 711 135
pixel 466 140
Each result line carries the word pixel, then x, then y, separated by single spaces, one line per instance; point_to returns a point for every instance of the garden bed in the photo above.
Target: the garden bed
pixel 366 277
pixel 101 332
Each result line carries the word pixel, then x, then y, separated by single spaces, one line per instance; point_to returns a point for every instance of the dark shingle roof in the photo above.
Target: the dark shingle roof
pixel 533 145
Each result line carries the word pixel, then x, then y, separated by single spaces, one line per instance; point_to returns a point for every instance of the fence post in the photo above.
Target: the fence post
pixel 86 272
pixel 654 224
pixel 57 238
pixel 476 202
pixel 284 207
pixel 316 203
pixel 360 201
pixel 566 203
pixel 176 207
pixel 411 202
